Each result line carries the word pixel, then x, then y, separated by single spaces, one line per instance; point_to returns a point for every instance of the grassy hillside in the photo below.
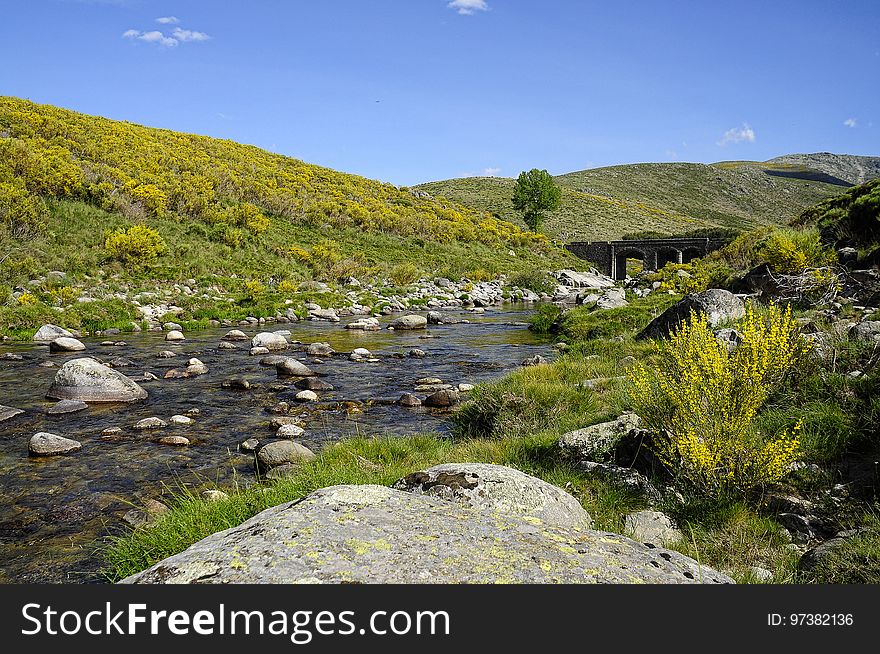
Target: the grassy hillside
pixel 851 219
pixel 606 203
pixel 217 214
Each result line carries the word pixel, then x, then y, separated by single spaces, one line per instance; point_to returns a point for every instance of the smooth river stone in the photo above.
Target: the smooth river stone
pixel 87 380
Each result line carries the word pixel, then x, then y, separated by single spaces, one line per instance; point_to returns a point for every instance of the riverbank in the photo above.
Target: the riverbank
pixel 520 420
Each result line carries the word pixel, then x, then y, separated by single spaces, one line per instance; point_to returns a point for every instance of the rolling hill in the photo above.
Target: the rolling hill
pixel 607 203
pixel 112 209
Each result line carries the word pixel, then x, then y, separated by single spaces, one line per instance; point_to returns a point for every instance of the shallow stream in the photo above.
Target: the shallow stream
pixel 55 511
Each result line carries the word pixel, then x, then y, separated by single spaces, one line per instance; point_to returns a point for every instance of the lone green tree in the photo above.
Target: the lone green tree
pixel 534 194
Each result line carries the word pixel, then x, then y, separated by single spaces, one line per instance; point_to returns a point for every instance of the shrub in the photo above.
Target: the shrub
pixel 26 299
pixel 545 318
pixel 254 289
pixel 22 213
pixel 138 244
pixel 694 277
pixel 533 279
pixel 287 286
pixel 791 251
pixel 701 402
pixel 404 273
pixel 153 199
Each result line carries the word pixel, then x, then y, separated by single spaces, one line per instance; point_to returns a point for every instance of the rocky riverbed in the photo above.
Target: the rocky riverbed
pixel 211 399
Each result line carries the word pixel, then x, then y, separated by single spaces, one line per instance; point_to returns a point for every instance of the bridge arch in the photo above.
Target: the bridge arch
pixel 668 254
pixel 688 254
pixel 621 257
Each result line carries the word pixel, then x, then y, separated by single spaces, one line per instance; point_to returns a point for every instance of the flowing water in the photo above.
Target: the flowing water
pixel 55 511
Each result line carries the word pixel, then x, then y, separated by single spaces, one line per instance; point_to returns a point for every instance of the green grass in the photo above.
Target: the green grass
pixel 855 561
pixel 670 198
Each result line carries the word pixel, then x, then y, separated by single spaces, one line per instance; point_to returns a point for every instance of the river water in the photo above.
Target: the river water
pixel 55 511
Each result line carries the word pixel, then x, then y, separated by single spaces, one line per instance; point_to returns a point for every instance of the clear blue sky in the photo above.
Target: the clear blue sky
pixel 417 90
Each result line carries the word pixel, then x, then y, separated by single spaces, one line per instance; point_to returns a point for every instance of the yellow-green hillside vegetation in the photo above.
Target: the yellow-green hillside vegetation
pixel 120 208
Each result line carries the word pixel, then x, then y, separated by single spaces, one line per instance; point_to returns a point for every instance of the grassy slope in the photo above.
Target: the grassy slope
pixel 86 176
pixel 606 203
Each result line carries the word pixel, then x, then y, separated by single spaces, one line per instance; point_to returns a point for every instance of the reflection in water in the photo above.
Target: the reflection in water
pixel 54 511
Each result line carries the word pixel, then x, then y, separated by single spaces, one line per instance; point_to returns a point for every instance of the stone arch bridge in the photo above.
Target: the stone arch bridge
pixel 610 256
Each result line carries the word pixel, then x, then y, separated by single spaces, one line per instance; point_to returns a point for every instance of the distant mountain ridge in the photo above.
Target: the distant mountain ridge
pixel 609 202
pixel 851 168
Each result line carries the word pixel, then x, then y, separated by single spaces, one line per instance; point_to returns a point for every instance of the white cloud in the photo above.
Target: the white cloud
pixel 671 154
pixel 851 122
pixel 168 20
pixel 189 35
pixel 738 135
pixel 176 37
pixel 491 172
pixel 468 7
pixel 151 37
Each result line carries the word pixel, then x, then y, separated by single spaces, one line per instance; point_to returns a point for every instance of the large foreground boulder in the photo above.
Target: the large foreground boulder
pixel 498 488
pixel 716 304
pixel 374 534
pixel 87 380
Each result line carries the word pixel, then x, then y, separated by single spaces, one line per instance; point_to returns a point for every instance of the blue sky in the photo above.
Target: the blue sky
pixel 417 90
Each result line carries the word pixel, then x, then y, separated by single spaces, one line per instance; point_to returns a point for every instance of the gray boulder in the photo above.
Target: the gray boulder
pixel 613 298
pixel 87 380
pixel 373 534
pixel 729 338
pixel 324 314
pixel 867 330
pixel 651 527
pixel 48 333
pixel 46 444
pixel 319 350
pixel 67 406
pixel 592 279
pixel 597 442
pixel 66 344
pixel 716 304
pixel 290 367
pixel 283 452
pixel 7 412
pixel 498 488
pixel 411 321
pixel 270 341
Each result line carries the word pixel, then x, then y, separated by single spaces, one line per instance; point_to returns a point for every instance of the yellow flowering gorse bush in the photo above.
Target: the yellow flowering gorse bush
pixel 138 244
pixel 701 401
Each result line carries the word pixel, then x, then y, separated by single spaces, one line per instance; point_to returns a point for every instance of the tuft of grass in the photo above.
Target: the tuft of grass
pixel 732 537
pixel 855 561
pixel 587 323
